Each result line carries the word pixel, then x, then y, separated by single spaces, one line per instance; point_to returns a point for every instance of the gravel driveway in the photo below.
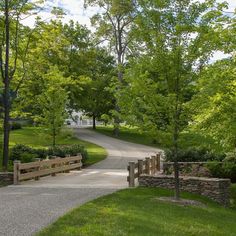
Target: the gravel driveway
pixel 29 207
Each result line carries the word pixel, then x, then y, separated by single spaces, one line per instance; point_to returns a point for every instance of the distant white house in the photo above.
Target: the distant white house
pixel 80 119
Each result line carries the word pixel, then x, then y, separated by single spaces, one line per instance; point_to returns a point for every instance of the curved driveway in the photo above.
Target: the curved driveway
pixel 27 208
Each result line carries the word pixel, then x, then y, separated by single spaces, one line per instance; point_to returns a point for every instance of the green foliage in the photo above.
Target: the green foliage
pixel 177 38
pixel 70 150
pixel 214 106
pixel 194 155
pixel 53 103
pixel 25 153
pixel 16 125
pixel 95 97
pixel 226 169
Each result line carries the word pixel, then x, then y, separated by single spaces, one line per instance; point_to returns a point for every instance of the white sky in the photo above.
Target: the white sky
pixel 75 11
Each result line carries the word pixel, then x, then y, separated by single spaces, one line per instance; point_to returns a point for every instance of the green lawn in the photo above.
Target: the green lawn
pixel 130 134
pixel 38 137
pixel 133 134
pixel 137 212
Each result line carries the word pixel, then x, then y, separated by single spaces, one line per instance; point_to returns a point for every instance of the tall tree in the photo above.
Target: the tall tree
pixel 10 52
pixel 96 98
pixel 53 104
pixel 178 40
pixel 114 25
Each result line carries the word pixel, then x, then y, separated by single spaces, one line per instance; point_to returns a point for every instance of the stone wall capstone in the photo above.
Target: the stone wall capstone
pixel 215 189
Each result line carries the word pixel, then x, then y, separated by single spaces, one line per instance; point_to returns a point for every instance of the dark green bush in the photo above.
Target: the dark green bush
pixel 28 157
pixel 41 153
pixel 15 126
pixel 71 150
pixel 25 153
pixel 225 169
pixel 18 150
pixel 194 155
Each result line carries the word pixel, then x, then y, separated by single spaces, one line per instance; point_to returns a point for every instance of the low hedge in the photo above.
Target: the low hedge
pixel 194 155
pixel 25 153
pixel 219 165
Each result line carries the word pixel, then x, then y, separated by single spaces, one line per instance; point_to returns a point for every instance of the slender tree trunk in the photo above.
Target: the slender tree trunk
pixel 116 130
pixel 53 134
pixel 54 138
pixel 175 139
pixel 6 95
pixel 176 165
pixel 94 122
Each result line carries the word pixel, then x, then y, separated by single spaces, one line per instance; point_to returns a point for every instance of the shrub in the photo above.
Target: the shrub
pixel 231 157
pixel 15 126
pixel 225 169
pixel 28 157
pixel 25 153
pixel 72 150
pixel 194 155
pixel 18 150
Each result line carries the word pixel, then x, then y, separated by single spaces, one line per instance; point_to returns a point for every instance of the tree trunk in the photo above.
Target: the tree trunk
pixel 116 130
pixel 54 140
pixel 54 137
pixel 175 142
pixel 176 168
pixel 94 122
pixel 6 95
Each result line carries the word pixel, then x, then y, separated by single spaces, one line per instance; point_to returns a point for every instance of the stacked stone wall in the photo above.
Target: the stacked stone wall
pixel 6 177
pixel 215 189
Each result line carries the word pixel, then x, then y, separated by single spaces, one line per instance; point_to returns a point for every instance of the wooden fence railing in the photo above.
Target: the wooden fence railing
pixel 37 169
pixel 150 166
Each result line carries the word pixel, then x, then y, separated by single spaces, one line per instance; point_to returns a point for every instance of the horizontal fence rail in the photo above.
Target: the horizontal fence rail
pixel 150 166
pixel 37 169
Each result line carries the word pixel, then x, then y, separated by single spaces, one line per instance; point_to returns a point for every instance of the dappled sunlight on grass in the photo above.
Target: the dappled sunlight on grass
pixel 134 212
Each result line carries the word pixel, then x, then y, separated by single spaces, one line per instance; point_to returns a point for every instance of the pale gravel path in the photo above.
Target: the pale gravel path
pixel 29 207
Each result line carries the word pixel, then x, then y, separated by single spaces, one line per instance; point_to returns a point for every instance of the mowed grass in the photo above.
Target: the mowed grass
pixel 130 134
pixel 187 138
pixel 138 212
pixel 38 137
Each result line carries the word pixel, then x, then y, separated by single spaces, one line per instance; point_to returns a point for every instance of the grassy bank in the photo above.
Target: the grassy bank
pixel 130 134
pixel 38 137
pixel 133 134
pixel 138 212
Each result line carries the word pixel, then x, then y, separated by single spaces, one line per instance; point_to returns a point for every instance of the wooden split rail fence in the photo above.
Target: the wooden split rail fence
pixel 37 169
pixel 149 166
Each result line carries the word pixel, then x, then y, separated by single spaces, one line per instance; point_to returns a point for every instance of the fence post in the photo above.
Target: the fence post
pixel 67 164
pixel 16 172
pixel 153 165
pixel 158 162
pixel 37 168
pixel 147 164
pixel 80 161
pixel 53 165
pixel 131 174
pixel 140 167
